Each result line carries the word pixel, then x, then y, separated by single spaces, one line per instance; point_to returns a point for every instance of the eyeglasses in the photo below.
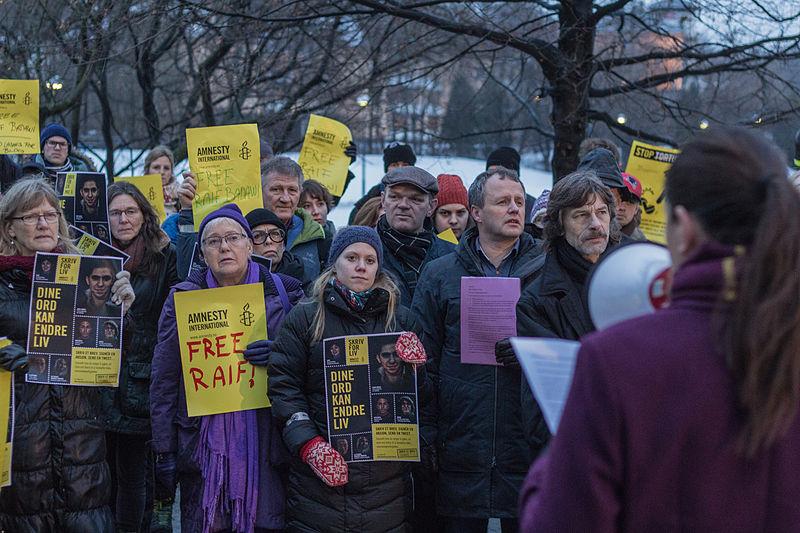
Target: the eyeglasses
pixel 57 144
pixel 130 212
pixel 275 235
pixel 234 239
pixel 97 278
pixel 32 219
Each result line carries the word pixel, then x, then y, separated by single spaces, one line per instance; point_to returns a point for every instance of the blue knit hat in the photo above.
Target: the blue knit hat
pixel 53 130
pixel 231 211
pixel 353 234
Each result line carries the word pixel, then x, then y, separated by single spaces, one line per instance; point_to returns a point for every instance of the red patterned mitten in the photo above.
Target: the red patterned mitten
pixel 326 462
pixel 410 349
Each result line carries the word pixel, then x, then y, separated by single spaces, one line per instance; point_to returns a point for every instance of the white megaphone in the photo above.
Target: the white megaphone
pixel 631 281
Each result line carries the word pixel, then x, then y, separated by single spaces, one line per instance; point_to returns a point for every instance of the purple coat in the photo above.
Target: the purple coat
pixel 647 441
pixel 174 431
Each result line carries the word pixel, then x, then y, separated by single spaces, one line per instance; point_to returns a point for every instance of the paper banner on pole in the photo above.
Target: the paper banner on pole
pixel 226 161
pixel 6 420
pixel 150 186
pixel 371 399
pixel 214 328
pixel 649 164
pixel 322 155
pixel 19 117
pixel 75 331
pixel 488 314
pixel 548 365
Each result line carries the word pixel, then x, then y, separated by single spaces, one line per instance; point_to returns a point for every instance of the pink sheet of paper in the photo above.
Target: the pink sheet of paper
pixel 488 314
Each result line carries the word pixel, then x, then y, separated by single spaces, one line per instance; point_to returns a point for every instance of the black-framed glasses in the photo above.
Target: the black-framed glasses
pixel 234 239
pixel 57 144
pixel 32 219
pixel 275 235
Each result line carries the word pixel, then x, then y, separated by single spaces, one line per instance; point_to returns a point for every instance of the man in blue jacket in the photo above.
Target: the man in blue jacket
pixel 476 424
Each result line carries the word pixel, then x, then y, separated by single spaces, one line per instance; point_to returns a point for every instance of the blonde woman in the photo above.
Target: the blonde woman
pixel 354 296
pixel 60 479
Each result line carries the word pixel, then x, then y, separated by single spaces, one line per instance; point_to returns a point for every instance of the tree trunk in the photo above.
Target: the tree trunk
pixel 570 111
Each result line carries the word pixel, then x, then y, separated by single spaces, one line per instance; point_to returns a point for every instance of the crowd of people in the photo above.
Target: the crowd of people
pixel 683 420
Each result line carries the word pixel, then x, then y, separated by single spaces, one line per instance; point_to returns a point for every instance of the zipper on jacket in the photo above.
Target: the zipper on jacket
pixel 494 446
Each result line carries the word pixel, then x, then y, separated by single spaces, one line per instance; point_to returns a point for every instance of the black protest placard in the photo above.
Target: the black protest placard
pixel 371 397
pixel 84 200
pixel 75 330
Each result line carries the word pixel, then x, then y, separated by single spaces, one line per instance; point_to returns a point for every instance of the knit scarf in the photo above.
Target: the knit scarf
pixel 409 249
pixel 573 262
pixel 355 300
pixel 229 460
pixel 21 262
pixel 135 249
pixel 53 170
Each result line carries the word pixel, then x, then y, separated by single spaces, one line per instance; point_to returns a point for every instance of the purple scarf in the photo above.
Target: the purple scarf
pixel 228 457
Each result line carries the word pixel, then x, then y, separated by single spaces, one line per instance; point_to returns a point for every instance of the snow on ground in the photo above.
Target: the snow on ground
pixel 535 180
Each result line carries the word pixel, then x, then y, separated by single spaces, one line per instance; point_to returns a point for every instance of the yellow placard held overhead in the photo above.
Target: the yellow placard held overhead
pixel 322 155
pixel 19 117
pixel 150 186
pixel 6 421
pixel 649 164
pixel 214 328
pixel 226 160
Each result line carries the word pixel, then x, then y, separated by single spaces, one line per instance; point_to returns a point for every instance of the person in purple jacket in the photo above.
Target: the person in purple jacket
pixel 227 464
pixel 687 419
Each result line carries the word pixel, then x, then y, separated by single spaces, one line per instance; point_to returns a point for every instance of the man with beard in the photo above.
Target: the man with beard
pixel 580 228
pixel 577 232
pixel 88 206
pixel 95 299
pixel 392 374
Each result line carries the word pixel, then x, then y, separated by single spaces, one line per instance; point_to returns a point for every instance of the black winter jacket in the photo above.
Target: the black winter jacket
pixel 476 421
pixel 127 408
pixel 394 266
pixel 377 496
pixel 59 475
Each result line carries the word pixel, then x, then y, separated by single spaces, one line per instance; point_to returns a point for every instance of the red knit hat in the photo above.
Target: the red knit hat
pixel 451 190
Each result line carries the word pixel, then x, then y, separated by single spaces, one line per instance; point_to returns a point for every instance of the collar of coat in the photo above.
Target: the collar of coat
pixel 525 264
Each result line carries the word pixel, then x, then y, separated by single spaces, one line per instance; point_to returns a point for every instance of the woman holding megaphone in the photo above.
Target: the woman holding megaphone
pixel 687 419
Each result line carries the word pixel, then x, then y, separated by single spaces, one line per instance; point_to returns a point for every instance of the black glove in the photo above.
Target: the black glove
pixel 351 151
pixel 13 357
pixel 504 353
pixel 257 353
pixel 166 475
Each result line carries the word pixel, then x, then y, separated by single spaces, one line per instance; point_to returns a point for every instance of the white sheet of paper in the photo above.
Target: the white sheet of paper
pixel 548 365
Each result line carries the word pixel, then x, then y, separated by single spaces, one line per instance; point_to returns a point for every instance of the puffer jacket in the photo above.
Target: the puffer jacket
pixel 60 480
pixel 127 407
pixel 176 432
pixel 377 496
pixel 476 421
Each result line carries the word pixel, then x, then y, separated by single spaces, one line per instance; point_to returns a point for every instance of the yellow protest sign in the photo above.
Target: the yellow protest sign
pixel 19 117
pixel 322 155
pixel 226 160
pixel 150 186
pixel 649 164
pixel 6 421
pixel 448 235
pixel 214 328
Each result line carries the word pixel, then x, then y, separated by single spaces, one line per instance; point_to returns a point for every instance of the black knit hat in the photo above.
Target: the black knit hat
pixel 259 216
pixel 505 156
pixel 396 152
pixel 604 164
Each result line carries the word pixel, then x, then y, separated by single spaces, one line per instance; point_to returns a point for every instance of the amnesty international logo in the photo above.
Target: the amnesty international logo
pixel 245 152
pixel 152 194
pixel 27 100
pixel 246 318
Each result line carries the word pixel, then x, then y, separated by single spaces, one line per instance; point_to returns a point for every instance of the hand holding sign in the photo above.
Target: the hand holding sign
pixel 325 462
